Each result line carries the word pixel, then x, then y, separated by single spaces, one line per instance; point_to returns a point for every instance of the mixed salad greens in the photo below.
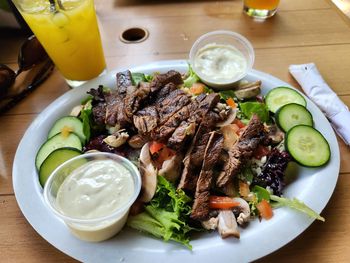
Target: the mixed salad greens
pixel 259 183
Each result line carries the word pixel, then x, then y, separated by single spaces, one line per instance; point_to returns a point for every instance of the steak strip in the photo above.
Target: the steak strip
pixel 160 80
pixel 242 150
pixel 194 159
pixel 124 80
pixel 200 208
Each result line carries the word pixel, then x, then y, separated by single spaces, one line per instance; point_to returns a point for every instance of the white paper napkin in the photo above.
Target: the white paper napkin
pixel 319 92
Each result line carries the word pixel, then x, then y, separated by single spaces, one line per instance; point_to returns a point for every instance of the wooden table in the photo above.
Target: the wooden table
pixel 301 32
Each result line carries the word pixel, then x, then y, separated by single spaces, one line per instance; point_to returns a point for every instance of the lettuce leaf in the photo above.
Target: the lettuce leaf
pixel 86 117
pixel 167 214
pixel 90 128
pixel 140 77
pixel 246 174
pixel 249 108
pixel 261 193
pixel 226 94
pixel 192 77
pixel 297 205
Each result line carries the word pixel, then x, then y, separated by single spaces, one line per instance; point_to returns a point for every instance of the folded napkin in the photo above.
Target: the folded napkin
pixel 319 92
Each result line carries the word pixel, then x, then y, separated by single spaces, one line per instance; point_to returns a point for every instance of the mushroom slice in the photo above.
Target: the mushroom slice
pixel 76 110
pixel 171 168
pixel 227 225
pixel 148 175
pixel 211 223
pixel 274 134
pixel 248 91
pixel 230 136
pixel 244 214
pixel 117 139
pixel 230 118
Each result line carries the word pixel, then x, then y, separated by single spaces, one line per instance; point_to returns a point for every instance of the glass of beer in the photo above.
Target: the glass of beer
pixel 69 33
pixel 260 9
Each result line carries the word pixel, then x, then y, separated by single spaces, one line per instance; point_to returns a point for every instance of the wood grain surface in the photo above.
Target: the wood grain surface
pixel 301 32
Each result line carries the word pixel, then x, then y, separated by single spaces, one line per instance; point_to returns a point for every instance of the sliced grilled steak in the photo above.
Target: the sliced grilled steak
pixel 124 80
pixel 146 120
pixel 182 133
pixel 172 103
pixel 114 104
pixel 242 150
pixel 193 112
pixel 132 102
pixel 161 80
pixel 194 159
pixel 199 148
pixel 164 92
pixel 115 110
pixel 163 132
pixel 98 105
pixel 205 105
pixel 99 113
pixel 162 110
pixel 200 208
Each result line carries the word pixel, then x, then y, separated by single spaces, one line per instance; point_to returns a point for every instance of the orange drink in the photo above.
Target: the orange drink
pixel 69 33
pixel 260 8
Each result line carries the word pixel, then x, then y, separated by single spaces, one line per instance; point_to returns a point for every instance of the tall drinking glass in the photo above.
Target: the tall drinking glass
pixel 261 9
pixel 68 31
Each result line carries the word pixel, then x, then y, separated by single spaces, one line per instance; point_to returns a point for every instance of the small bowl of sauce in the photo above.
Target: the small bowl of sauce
pixel 92 193
pixel 222 58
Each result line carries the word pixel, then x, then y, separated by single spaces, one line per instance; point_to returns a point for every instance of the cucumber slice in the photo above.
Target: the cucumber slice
pixel 280 96
pixel 57 141
pixel 56 158
pixel 72 123
pixel 291 115
pixel 307 146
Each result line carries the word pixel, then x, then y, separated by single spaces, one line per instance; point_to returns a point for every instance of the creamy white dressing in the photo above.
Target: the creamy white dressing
pixel 218 63
pixel 94 190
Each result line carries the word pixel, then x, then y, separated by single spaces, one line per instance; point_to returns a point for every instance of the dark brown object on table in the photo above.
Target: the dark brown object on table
pixel 7 78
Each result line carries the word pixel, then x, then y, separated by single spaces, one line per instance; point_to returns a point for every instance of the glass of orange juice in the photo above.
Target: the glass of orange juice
pixel 68 31
pixel 261 9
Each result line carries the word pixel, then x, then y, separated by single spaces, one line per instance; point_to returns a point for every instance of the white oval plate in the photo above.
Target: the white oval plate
pixel 313 186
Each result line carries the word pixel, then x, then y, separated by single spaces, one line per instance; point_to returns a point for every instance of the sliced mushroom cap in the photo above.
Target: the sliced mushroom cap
pixel 227 225
pixel 230 136
pixel 249 90
pixel 171 168
pixel 274 134
pixel 148 175
pixel 76 110
pixel 211 223
pixel 117 139
pixel 230 118
pixel 244 214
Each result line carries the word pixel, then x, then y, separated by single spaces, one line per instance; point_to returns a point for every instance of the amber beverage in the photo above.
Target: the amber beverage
pixel 261 9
